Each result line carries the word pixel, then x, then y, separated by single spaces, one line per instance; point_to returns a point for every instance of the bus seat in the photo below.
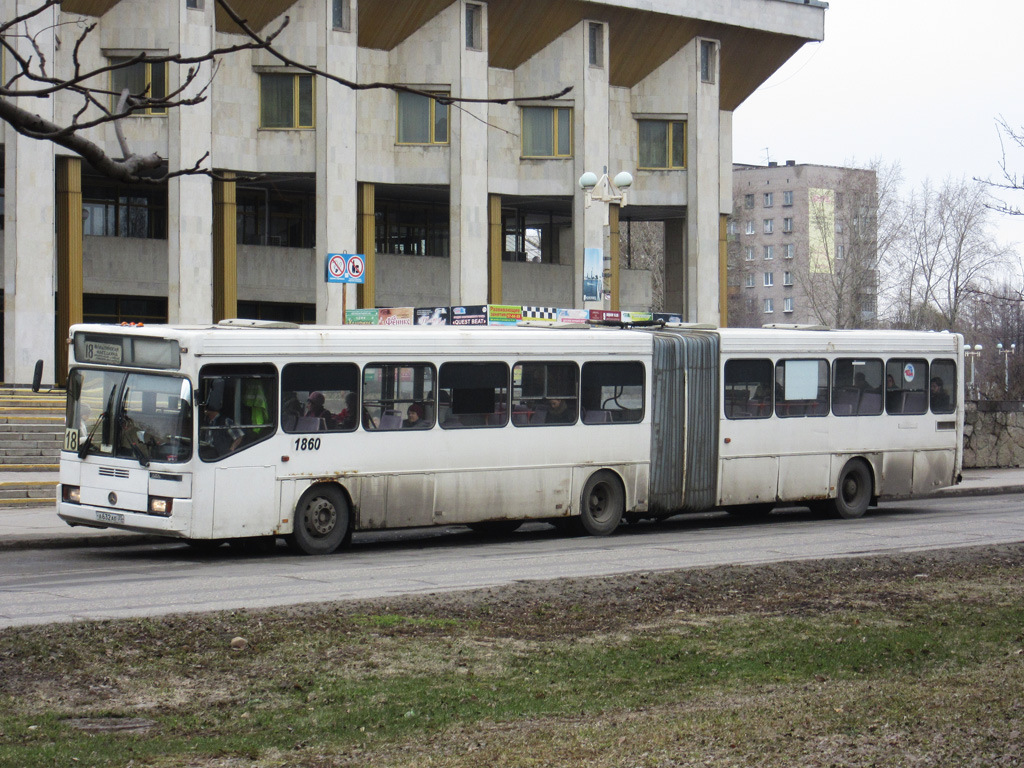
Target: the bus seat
pixel 597 417
pixel 870 403
pixel 390 420
pixel 308 424
pixel 915 401
pixel 846 401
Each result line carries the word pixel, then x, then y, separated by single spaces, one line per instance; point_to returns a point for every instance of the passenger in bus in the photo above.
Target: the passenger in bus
pixel 347 418
pixel 415 417
pixel 315 409
pixel 558 412
pixel 939 396
pixel 291 410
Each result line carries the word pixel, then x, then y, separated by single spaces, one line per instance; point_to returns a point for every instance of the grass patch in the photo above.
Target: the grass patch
pixel 873 662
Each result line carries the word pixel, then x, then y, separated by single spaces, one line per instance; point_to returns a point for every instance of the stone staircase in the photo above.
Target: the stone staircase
pixel 31 435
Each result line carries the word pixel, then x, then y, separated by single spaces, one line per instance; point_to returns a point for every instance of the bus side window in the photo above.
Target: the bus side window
pixel 748 389
pixel 538 387
pixel 398 396
pixel 943 386
pixel 906 386
pixel 801 388
pixel 856 387
pixel 319 397
pixel 239 408
pixel 612 393
pixel 474 394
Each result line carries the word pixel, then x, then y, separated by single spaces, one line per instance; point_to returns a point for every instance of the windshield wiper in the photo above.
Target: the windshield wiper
pixel 128 432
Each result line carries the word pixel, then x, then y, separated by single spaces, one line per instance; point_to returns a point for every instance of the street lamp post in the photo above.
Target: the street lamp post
pixel 611 192
pixel 1007 351
pixel 973 352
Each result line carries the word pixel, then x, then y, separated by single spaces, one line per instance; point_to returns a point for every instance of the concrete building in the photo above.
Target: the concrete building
pixel 803 246
pixel 468 203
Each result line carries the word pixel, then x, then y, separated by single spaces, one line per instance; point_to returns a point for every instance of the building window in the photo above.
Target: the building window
pixel 114 210
pixel 547 132
pixel 412 229
pixel 286 101
pixel 341 15
pixel 768 198
pixel 769 306
pixel 474 27
pixel 769 252
pixel 769 226
pixel 787 251
pixel 104 308
pixel 662 144
pixel 750 227
pixel 421 119
pixel 769 279
pixel 748 201
pixel 142 80
pixel 787 304
pixel 787 278
pixel 787 225
pixel 787 197
pixel 840 251
pixel 839 227
pixel 750 253
pixel 750 280
pixel 596 35
pixel 196 5
pixel 282 219
pixel 707 61
pixel 732 229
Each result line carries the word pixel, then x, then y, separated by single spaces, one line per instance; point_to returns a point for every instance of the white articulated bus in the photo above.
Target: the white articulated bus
pixel 247 431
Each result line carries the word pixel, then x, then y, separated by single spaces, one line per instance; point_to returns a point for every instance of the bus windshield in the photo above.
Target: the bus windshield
pixel 129 415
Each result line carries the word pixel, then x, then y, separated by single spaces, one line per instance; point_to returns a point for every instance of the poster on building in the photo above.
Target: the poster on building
pixel 361 317
pixel 637 317
pixel 431 315
pixel 668 317
pixel 504 314
pixel 395 316
pixel 471 314
pixel 593 273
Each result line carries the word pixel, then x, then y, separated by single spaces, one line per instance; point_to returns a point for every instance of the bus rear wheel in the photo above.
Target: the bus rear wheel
pixel 853 492
pixel 602 504
pixel 322 521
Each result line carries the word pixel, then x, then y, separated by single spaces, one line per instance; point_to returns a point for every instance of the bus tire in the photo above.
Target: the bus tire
pixel 853 491
pixel 322 520
pixel 602 504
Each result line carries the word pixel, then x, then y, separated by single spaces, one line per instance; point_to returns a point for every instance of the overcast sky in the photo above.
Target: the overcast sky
pixel 918 81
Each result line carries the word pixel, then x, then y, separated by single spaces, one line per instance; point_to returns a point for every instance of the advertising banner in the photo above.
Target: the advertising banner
pixel 471 314
pixel 431 315
pixel 361 317
pixel 395 316
pixel 503 314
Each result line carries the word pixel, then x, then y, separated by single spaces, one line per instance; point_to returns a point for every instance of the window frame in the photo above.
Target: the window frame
pixel 474 27
pixel 523 415
pixel 390 397
pixel 732 392
pixel 432 116
pixel 296 99
pixel 341 15
pixel 617 369
pixel 670 142
pixel 555 114
pixel 595 44
pixel 147 75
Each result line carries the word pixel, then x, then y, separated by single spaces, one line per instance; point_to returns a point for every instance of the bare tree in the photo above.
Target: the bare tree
pixel 26 38
pixel 948 258
pixel 642 246
pixel 1011 181
pixel 743 310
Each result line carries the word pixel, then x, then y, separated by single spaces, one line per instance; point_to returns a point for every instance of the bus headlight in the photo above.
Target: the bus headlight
pixel 71 493
pixel 160 506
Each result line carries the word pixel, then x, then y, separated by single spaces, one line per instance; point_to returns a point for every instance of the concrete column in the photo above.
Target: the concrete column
pixel 69 258
pixel 703 191
pixel 337 209
pixel 468 194
pixel 29 224
pixel 590 149
pixel 495 247
pixel 225 249
pixel 190 198
pixel 723 270
pixel 675 267
pixel 612 249
pixel 367 243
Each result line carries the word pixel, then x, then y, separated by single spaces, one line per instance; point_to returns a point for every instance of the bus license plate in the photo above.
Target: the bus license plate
pixel 110 517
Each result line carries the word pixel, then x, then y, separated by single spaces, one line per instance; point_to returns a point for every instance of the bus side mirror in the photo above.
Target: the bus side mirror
pixel 37 376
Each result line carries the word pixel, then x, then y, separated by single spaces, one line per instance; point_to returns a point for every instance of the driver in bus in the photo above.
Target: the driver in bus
pixel 220 432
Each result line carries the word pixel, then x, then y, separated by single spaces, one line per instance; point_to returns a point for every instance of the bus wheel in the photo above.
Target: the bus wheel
pixel 853 493
pixel 322 521
pixel 602 504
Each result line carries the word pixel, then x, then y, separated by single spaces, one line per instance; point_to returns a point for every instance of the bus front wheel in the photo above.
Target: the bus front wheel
pixel 602 504
pixel 322 521
pixel 853 492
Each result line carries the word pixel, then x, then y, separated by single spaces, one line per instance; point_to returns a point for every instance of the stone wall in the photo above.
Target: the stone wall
pixel 994 434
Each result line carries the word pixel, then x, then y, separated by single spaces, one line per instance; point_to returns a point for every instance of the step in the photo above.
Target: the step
pixel 40 466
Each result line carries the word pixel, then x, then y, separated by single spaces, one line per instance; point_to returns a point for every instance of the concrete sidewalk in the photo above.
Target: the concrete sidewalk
pixel 38 527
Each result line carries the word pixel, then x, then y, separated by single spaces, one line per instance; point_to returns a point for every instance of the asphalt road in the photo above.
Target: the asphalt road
pixel 145 578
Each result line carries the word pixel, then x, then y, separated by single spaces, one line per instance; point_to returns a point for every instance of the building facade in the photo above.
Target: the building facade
pixel 473 201
pixel 803 246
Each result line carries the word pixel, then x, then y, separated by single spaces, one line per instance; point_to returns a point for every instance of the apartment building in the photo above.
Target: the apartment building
pixel 803 246
pixel 450 202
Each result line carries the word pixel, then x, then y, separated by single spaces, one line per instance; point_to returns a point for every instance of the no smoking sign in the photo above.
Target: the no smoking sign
pixel 346 268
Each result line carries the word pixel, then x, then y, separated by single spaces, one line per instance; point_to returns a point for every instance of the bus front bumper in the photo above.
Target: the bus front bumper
pixel 137 522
